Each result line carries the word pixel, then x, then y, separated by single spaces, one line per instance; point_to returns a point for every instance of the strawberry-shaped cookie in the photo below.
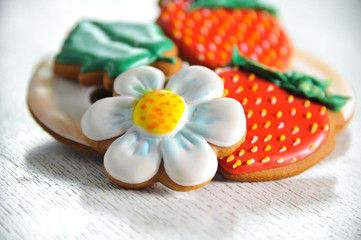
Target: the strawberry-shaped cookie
pixel 206 31
pixel 286 134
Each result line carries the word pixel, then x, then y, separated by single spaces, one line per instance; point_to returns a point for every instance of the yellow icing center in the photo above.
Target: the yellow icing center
pixel 159 111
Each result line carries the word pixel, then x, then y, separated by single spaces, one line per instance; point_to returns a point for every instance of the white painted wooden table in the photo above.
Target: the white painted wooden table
pixel 49 191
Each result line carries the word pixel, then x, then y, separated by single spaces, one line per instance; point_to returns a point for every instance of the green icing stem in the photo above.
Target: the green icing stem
pixel 114 47
pixel 254 4
pixel 295 83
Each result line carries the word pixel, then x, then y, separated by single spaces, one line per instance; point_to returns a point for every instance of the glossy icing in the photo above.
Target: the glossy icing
pixel 113 47
pixel 281 128
pixel 159 111
pixel 206 36
pixel 188 158
pixel 294 82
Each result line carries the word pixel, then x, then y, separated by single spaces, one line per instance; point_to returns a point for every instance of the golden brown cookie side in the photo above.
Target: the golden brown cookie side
pixel 225 151
pixel 66 70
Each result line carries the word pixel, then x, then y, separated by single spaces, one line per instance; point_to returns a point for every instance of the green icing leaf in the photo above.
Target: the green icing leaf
pixel 296 83
pixel 114 47
pixel 255 4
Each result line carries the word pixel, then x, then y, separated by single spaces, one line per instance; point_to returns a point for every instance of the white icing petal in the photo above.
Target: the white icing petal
pixel 137 81
pixel 220 121
pixel 188 158
pixel 132 158
pixel 108 118
pixel 196 83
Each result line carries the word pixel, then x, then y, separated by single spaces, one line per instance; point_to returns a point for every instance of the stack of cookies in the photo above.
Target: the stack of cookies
pixel 205 89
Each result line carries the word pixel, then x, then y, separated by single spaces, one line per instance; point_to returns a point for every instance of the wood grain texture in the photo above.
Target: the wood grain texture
pixel 50 191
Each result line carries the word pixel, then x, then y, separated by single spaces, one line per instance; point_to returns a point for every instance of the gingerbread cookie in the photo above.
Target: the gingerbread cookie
pixel 96 52
pixel 170 133
pixel 287 131
pixel 205 32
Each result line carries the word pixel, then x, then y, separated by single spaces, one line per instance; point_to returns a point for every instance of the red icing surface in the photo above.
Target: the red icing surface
pixel 206 36
pixel 259 94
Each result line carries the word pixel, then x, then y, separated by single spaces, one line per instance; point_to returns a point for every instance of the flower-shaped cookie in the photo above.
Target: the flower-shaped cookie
pixel 165 132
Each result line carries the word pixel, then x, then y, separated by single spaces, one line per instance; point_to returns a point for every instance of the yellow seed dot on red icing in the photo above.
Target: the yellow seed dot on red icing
pixel 283 149
pixel 235 78
pixel 239 35
pixel 237 163
pixel 250 42
pixel 293 160
pixel 267 138
pixel 267 124
pixel 171 7
pixel 230 158
pixel 244 101
pixel 268 148
pixel 312 147
pixel 239 89
pixel 225 92
pixel 256 36
pixel 273 100
pixel 254 87
pixel 308 115
pixel 251 76
pixel 177 34
pixel 224 55
pixel 233 40
pixel 254 126
pixel 249 113
pixel 314 128
pixel 217 39
pixel 272 53
pixel 201 39
pixel 188 41
pixel 270 88
pixel 296 141
pixel 221 31
pixel 307 103
pixel 293 111
pixel 211 55
pixel 265 159
pixel 290 98
pixel 254 139
pixel 283 51
pixel 201 57
pixel 323 110
pixel 165 16
pixel 295 129
pixel 227 46
pixel 241 152
pixel 280 160
pixel 254 149
pixel 325 127
pixel 190 23
pixel 282 137
pixel 218 70
pixel 278 63
pixel 263 112
pixel 178 23
pixel 250 161
pixel 279 114
pixel 258 100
